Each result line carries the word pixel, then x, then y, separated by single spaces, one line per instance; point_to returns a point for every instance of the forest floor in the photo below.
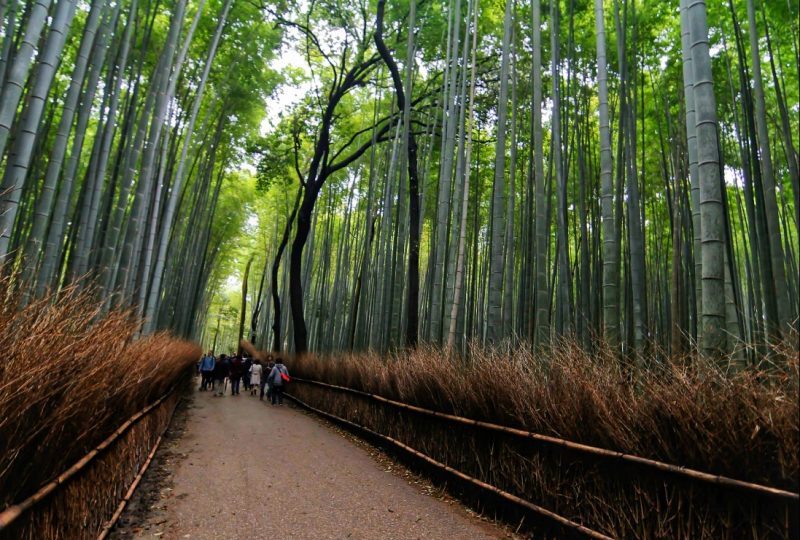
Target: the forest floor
pixel 235 467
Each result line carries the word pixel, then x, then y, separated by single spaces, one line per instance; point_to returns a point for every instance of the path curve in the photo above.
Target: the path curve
pixel 251 470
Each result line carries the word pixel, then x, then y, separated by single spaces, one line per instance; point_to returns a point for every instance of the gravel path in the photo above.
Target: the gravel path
pixel 245 469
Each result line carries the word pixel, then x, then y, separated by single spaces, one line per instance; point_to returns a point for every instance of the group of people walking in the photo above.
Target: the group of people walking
pixel 264 378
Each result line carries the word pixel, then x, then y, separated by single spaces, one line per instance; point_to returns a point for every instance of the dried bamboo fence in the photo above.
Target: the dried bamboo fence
pixel 85 501
pixel 580 490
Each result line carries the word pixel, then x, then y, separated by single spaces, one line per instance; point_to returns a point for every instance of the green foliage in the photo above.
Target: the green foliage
pixel 263 160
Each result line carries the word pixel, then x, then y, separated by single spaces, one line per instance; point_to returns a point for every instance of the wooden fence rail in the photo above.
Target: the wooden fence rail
pixel 543 512
pixel 578 447
pixel 571 482
pixel 42 514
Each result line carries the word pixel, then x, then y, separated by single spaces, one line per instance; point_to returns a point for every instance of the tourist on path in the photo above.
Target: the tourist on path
pixel 277 379
pixel 248 363
pixel 206 370
pixel 237 370
pixel 221 370
pixel 255 376
pixel 265 379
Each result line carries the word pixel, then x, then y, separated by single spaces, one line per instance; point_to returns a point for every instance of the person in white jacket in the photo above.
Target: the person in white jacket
pixel 255 377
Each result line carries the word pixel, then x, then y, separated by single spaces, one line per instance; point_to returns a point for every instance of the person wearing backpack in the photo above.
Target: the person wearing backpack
pixel 265 384
pixel 278 378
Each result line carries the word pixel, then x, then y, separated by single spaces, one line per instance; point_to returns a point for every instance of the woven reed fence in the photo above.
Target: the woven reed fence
pixel 86 499
pixel 564 488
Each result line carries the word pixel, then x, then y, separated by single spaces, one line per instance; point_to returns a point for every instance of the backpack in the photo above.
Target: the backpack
pixel 285 379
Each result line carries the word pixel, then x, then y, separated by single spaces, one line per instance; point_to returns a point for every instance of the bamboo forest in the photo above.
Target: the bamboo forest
pixel 571 221
pixel 511 172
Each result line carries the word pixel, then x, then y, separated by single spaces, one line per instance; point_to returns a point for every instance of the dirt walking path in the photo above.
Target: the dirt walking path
pixel 236 468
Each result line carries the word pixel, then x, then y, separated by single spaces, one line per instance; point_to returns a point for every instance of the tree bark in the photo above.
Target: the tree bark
pixel 19 159
pixel 691 140
pixel 462 235
pixel 785 310
pixel 244 305
pixel 412 298
pixel 610 238
pixel 542 216
pixel 495 330
pixel 708 168
pixel 175 192
pixel 277 343
pixel 13 84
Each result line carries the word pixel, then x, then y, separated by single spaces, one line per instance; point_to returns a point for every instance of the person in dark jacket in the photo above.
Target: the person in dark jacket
pixel 221 370
pixel 264 382
pixel 277 382
pixel 237 370
pixel 247 363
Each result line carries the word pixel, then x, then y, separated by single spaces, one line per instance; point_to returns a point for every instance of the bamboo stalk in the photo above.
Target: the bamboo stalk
pixel 589 533
pixel 584 448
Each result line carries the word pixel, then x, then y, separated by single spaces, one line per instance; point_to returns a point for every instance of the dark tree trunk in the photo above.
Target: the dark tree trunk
pixel 244 304
pixel 295 270
pixel 276 299
pixel 412 324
